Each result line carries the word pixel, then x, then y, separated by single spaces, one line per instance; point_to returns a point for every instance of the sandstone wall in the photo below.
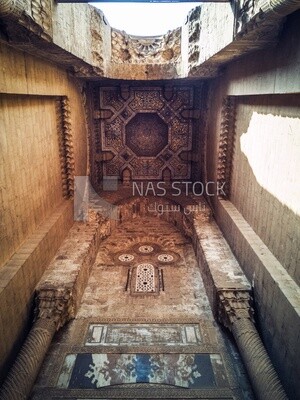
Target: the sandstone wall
pixel 264 182
pixel 35 216
pixel 82 31
pixel 261 218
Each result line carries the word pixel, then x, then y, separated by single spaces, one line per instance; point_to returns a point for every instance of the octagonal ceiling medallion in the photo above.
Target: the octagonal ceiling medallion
pixel 146 134
pixel 144 130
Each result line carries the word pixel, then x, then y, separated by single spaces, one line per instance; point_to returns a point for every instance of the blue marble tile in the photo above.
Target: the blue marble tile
pixel 78 377
pixel 92 371
pixel 142 367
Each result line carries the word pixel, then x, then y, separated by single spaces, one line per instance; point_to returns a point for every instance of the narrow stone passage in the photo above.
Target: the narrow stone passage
pixel 144 328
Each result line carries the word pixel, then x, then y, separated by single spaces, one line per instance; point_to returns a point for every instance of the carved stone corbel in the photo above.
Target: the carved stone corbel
pixel 28 17
pixel 12 8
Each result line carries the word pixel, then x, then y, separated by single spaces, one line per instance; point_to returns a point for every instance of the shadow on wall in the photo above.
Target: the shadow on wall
pixel 265 187
pixel 279 58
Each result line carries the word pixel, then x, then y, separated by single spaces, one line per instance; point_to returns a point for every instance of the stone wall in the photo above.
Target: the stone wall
pixel 265 104
pixel 31 165
pixel 82 31
pixel 265 162
pixel 41 112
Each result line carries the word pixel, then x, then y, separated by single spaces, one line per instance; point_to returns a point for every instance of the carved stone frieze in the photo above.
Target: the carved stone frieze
pixel 66 145
pixel 13 8
pixel 146 50
pixel 145 128
pixel 253 15
pixel 35 16
pixel 86 71
pixel 234 304
pixel 208 69
pixel 226 145
pixel 97 39
pixel 41 13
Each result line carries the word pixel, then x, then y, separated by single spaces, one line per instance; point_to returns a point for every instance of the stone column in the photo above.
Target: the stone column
pixel 53 311
pixel 235 312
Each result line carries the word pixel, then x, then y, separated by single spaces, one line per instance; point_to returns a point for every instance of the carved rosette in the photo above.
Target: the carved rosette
pixel 234 304
pixel 66 146
pixel 54 304
pixel 226 145
pixel 146 50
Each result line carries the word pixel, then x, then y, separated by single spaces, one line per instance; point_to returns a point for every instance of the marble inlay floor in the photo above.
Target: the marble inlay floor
pixel 124 344
pixel 184 294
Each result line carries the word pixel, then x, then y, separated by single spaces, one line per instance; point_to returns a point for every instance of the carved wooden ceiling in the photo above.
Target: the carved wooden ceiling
pixel 145 130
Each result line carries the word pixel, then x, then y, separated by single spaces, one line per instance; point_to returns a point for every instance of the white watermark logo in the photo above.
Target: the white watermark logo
pixel 85 199
pixel 160 209
pixel 178 188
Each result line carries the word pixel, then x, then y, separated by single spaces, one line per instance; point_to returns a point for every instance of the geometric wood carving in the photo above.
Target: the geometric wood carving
pixel 145 128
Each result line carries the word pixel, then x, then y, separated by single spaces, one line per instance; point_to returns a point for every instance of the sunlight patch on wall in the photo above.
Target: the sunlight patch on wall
pixel 272 147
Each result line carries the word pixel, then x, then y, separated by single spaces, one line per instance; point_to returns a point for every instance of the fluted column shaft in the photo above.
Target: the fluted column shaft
pixel 24 371
pixel 264 379
pixel 236 313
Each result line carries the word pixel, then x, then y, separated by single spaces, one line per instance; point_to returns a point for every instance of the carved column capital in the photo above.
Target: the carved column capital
pixel 234 304
pixel 55 304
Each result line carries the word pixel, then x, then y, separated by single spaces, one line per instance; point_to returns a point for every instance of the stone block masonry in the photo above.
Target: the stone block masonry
pixel 58 296
pixel 35 218
pixel 19 277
